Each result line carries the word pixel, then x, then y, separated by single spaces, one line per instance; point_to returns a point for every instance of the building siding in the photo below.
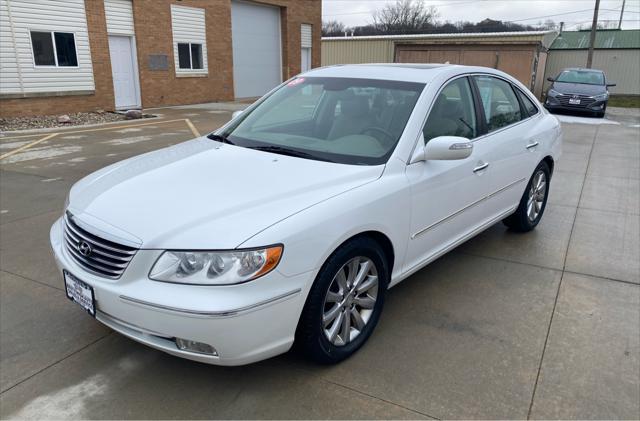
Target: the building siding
pixel 119 15
pixel 620 66
pixel 20 75
pixel 357 51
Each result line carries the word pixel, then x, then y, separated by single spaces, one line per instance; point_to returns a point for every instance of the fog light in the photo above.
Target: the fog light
pixel 193 346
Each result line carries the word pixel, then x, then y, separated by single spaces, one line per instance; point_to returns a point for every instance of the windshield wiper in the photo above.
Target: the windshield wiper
pixel 289 152
pixel 219 138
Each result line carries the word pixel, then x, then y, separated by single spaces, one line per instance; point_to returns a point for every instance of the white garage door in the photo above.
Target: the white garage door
pixel 255 32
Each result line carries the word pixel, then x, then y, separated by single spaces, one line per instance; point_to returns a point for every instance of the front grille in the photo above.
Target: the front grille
pixel 585 100
pixel 97 255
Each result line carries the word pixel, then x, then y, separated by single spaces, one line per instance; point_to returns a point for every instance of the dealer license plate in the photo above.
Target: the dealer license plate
pixel 80 292
pixel 574 101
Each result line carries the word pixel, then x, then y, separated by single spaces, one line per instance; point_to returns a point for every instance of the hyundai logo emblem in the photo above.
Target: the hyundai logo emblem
pixel 84 248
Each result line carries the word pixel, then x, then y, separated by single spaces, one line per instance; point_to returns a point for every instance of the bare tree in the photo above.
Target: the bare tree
pixel 333 28
pixel 405 17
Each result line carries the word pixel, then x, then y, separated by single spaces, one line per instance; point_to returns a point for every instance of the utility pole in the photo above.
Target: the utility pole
pixel 592 39
pixel 621 13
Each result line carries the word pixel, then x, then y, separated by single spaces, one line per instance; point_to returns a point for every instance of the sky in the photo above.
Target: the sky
pixel 572 12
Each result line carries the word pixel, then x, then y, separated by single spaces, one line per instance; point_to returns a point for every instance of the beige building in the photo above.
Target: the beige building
pixel 521 54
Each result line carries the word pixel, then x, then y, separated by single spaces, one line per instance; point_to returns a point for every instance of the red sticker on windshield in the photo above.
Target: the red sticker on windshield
pixel 296 81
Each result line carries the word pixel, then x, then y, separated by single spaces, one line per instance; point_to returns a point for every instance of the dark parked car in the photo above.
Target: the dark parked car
pixel 582 90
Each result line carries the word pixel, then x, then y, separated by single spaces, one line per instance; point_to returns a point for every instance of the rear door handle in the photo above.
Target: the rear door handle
pixel 481 167
pixel 532 145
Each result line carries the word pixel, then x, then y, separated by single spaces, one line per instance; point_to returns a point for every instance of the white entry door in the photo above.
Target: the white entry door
pixel 257 58
pixel 305 55
pixel 124 73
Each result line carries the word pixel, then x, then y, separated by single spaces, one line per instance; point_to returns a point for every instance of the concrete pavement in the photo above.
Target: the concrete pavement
pixel 537 325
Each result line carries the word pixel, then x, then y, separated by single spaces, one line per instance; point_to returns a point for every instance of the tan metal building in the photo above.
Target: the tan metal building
pixel 617 53
pixel 521 54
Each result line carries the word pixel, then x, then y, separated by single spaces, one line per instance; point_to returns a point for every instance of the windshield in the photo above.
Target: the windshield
pixel 344 120
pixel 587 77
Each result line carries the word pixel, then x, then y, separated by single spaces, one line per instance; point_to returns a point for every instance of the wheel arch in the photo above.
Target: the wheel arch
pixel 550 162
pixel 381 239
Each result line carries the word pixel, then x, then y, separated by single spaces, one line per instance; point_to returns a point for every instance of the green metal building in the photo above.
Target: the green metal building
pixel 616 52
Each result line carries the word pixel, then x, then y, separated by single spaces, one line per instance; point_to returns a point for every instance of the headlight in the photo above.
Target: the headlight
pixel 601 97
pixel 553 92
pixel 215 267
pixel 66 203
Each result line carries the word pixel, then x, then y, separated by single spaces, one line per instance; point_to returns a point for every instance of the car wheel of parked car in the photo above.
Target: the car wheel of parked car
pixel 345 302
pixel 533 202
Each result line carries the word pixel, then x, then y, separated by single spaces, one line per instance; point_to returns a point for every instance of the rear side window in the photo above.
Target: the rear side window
pixel 529 107
pixel 453 113
pixel 501 106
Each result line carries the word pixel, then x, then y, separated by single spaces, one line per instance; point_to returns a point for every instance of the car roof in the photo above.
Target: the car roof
pixel 407 72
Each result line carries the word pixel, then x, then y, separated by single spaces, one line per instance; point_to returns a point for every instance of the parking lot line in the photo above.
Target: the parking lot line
pixel 195 131
pixel 191 126
pixel 28 145
pixel 97 129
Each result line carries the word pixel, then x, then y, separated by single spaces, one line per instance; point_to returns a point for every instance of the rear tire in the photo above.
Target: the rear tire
pixel 533 201
pixel 335 297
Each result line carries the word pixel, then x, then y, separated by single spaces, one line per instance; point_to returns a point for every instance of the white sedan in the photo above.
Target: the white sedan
pixel 292 221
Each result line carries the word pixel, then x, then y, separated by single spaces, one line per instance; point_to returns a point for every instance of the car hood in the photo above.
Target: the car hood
pixel 203 194
pixel 579 88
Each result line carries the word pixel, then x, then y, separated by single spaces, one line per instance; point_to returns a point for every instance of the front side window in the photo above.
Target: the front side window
pixel 344 120
pixel 586 77
pixel 501 106
pixel 54 49
pixel 453 113
pixel 190 56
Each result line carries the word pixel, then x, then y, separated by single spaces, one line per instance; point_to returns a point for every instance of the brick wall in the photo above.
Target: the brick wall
pixel 103 96
pixel 153 36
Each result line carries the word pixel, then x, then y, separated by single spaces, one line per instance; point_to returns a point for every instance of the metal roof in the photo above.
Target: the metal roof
pixel 579 40
pixel 436 36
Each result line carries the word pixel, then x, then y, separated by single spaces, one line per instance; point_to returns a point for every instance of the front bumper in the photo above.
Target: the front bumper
pixel 244 323
pixel 553 104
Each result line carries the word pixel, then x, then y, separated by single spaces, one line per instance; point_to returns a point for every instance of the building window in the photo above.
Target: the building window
pixel 190 56
pixel 189 30
pixel 54 49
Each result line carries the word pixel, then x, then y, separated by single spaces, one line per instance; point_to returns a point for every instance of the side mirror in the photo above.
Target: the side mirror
pixel 443 148
pixel 550 79
pixel 610 85
pixel 236 114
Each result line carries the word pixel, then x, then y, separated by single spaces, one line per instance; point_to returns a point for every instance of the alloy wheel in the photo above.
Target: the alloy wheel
pixel 350 300
pixel 537 194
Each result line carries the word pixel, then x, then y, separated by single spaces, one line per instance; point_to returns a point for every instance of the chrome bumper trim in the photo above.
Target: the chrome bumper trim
pixel 213 314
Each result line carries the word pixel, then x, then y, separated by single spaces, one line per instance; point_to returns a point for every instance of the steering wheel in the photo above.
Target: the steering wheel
pixel 379 130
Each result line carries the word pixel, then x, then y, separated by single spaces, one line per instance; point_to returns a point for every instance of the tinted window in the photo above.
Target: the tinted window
pixel 184 59
pixel 345 120
pixel 196 56
pixel 529 106
pixel 66 49
pixel 453 113
pixel 501 106
pixel 42 49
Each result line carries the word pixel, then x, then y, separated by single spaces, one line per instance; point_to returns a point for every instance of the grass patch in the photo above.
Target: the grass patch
pixel 625 101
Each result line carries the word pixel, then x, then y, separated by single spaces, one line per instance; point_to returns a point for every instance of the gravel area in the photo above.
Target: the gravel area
pixel 47 121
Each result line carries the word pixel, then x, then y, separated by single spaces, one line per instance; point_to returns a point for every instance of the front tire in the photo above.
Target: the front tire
pixel 345 302
pixel 533 201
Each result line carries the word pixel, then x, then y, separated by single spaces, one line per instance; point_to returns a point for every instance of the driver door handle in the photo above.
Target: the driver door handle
pixel 532 145
pixel 481 167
